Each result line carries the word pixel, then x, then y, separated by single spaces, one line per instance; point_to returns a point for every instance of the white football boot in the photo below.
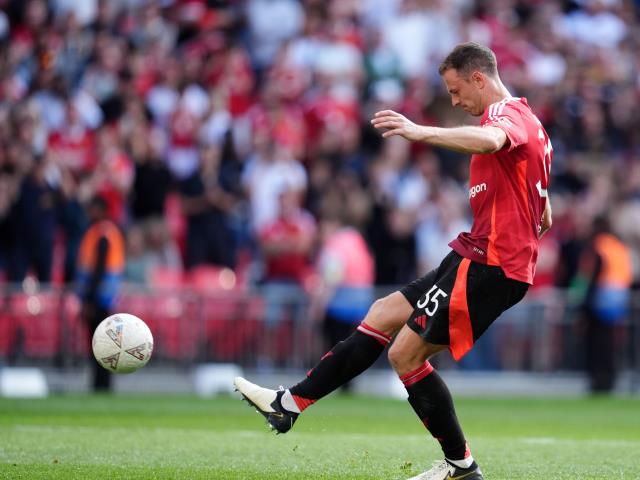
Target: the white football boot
pixel 267 403
pixel 443 470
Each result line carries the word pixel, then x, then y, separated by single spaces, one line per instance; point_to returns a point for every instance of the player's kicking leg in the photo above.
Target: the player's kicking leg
pixel 341 364
pixel 432 402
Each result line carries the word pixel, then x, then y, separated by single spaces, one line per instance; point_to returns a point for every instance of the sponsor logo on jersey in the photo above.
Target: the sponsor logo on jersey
pixel 476 189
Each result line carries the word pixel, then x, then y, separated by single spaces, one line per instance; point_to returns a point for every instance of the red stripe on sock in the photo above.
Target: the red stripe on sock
pixel 416 375
pixel 417 371
pixel 372 332
pixel 302 403
pixel 328 354
pixel 369 327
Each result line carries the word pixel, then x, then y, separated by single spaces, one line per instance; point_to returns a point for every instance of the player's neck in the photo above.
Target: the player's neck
pixel 496 94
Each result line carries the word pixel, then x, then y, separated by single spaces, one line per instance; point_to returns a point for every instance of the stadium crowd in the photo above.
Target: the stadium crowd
pixel 237 133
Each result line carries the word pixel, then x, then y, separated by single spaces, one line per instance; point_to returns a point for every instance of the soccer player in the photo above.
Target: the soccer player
pixel 488 270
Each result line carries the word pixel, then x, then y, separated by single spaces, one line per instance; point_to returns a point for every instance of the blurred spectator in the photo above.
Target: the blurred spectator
pixel 136 269
pixel 595 25
pixel 270 23
pixel 161 250
pixel 83 12
pixel 419 36
pixel 207 204
pixel 346 271
pixel 442 222
pixel 32 219
pixel 269 171
pixel 605 279
pixel 101 264
pixel 163 97
pixel 113 174
pixel 150 248
pixel 152 179
pixel 73 218
pixel 182 154
pixel 398 192
pixel 101 78
pixel 286 244
pixel 7 194
pixel 73 143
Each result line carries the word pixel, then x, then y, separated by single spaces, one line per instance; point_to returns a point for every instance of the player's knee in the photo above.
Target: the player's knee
pixel 377 309
pixel 405 355
pixel 397 358
pixel 377 315
pixel 387 314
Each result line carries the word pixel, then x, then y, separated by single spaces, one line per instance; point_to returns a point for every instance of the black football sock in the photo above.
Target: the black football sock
pixel 432 402
pixel 342 363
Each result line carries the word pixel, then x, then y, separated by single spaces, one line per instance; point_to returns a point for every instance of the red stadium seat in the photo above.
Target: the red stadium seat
pixel 76 338
pixel 212 279
pixel 233 326
pixel 136 303
pixel 133 302
pixel 37 318
pixel 7 331
pixel 162 277
pixel 172 318
pixel 77 335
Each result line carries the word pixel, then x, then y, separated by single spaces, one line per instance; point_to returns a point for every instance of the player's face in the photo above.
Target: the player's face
pixel 464 92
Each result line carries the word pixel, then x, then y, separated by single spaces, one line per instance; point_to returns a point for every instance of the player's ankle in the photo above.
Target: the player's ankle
pixel 288 402
pixel 464 463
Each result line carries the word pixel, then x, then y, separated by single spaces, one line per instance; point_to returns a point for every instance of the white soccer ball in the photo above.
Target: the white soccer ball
pixel 122 343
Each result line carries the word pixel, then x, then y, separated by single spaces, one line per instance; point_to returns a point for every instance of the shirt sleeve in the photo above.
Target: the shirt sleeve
pixel 508 119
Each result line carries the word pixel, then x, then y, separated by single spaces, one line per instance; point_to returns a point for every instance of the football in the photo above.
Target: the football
pixel 122 343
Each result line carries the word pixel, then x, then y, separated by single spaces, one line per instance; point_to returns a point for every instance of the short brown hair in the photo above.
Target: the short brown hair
pixel 469 57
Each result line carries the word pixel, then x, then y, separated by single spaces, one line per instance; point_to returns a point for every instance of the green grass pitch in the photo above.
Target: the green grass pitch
pixel 342 437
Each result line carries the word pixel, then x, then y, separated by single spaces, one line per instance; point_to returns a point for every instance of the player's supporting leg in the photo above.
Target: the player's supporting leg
pixel 432 402
pixel 341 364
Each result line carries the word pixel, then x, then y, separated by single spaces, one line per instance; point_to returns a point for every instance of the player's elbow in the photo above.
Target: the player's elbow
pixel 489 145
pixel 498 142
pixel 493 140
pixel 488 149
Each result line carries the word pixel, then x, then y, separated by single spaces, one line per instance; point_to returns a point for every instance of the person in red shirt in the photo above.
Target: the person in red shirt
pixel 286 245
pixel 286 242
pixel 488 270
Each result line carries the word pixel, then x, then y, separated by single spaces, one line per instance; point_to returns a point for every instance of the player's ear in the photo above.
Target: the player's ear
pixel 478 79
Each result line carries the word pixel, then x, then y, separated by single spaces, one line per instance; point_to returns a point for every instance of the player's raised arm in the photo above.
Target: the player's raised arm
pixel 468 139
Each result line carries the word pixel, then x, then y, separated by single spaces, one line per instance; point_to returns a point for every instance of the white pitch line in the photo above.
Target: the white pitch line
pixel 569 441
pixel 83 428
pixel 52 429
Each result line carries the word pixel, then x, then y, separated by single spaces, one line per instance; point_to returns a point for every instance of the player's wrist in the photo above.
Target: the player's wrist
pixel 426 134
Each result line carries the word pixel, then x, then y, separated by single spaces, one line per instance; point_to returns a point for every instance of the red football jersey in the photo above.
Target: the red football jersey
pixel 508 193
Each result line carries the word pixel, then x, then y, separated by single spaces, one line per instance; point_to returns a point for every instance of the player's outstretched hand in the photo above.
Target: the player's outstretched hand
pixel 396 124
